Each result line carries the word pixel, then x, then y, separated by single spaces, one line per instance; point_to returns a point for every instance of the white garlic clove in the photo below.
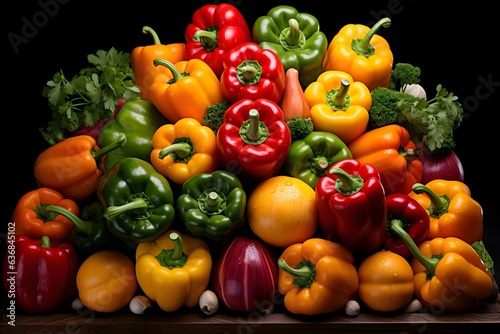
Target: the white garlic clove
pixel 352 308
pixel 414 306
pixel 415 90
pixel 77 304
pixel 208 302
pixel 139 304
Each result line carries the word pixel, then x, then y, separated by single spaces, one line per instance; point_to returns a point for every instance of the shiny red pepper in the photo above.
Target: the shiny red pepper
pixel 406 212
pixel 214 30
pixel 41 273
pixel 252 72
pixel 254 138
pixel 351 206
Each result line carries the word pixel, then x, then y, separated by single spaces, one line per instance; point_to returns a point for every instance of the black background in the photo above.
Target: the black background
pixel 454 46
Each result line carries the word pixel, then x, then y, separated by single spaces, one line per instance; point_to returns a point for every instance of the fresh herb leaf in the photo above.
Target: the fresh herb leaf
pixel 89 96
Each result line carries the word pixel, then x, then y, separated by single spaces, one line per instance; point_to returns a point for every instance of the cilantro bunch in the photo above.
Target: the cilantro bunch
pixel 89 96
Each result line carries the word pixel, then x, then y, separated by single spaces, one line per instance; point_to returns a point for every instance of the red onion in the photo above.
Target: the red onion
pixel 245 276
pixel 94 130
pixel 441 166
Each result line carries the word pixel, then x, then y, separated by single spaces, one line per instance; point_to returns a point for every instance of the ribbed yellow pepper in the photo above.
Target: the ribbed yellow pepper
pixel 173 270
pixel 339 105
pixel 357 50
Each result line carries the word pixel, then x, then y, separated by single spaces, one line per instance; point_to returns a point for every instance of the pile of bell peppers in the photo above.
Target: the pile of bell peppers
pixel 169 189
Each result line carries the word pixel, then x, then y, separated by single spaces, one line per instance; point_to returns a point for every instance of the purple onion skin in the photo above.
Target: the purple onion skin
pixel 245 276
pixel 446 167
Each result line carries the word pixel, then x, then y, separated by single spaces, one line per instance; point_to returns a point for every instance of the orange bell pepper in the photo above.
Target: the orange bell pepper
pixel 187 91
pixel 449 275
pixel 142 57
pixel 452 210
pixel 72 166
pixel 359 51
pixel 184 149
pixel 393 153
pixel 317 276
pixel 31 220
pixel 339 105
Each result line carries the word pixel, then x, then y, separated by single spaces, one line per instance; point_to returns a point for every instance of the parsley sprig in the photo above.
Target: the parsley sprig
pixel 89 96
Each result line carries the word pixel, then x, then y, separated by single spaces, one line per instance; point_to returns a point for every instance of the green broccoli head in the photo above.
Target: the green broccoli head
pixel 404 74
pixel 300 127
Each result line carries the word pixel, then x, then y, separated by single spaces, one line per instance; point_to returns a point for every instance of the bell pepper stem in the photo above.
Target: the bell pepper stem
pixel 181 149
pixel 363 47
pixel 207 38
pixel 176 74
pixel 320 163
pixel 112 212
pixel 44 242
pixel 338 99
pixel 149 30
pixel 173 258
pixel 303 274
pixel 292 38
pixel 396 226
pixel 121 140
pixel 82 225
pixel 249 72
pixel 253 131
pixel 346 184
pixel 439 204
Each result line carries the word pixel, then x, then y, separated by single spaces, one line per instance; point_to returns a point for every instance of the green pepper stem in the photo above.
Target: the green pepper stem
pixel 173 258
pixel 181 149
pixel 249 72
pixel 176 74
pixel 396 227
pixel 439 204
pixel 114 211
pixel 320 163
pixel 339 98
pixel 303 274
pixel 156 39
pixel 120 141
pixel 253 129
pixel 346 183
pixel 209 38
pixel 177 240
pixel 293 37
pixel 80 224
pixel 363 46
pixel 44 242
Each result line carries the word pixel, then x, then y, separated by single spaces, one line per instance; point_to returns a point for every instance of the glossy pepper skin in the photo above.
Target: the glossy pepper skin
pixel 309 158
pixel 254 138
pixel 351 206
pixel 138 119
pixel 72 166
pixel 394 155
pixel 359 51
pixel 42 273
pixel 214 30
pixel 142 57
pixel 251 72
pixel 451 209
pixel 138 201
pixel 31 220
pixel 189 88
pixel 173 270
pixel 212 205
pixel 296 39
pixel 317 276
pixel 339 105
pixel 403 209
pixel 184 149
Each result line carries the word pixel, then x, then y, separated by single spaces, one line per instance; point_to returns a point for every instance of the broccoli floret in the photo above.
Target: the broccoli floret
pixel 300 127
pixel 404 74
pixel 214 117
pixel 384 109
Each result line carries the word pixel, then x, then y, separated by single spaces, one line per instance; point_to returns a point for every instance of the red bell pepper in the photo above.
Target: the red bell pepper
pixel 351 206
pixel 406 213
pixel 252 72
pixel 40 273
pixel 254 138
pixel 214 30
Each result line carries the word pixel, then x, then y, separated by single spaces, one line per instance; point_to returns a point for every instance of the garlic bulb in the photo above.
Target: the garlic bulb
pixel 414 306
pixel 77 304
pixel 139 304
pixel 415 90
pixel 209 303
pixel 352 308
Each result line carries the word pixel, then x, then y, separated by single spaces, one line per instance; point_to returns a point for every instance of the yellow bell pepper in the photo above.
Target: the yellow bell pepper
pixel 187 92
pixel 184 149
pixel 173 270
pixel 357 50
pixel 339 105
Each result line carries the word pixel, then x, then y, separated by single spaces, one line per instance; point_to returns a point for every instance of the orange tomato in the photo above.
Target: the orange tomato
pixel 106 281
pixel 385 281
pixel 281 211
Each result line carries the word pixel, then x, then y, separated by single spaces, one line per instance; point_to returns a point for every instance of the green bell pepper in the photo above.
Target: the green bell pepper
pixel 296 39
pixel 212 205
pixel 139 120
pixel 138 201
pixel 309 158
